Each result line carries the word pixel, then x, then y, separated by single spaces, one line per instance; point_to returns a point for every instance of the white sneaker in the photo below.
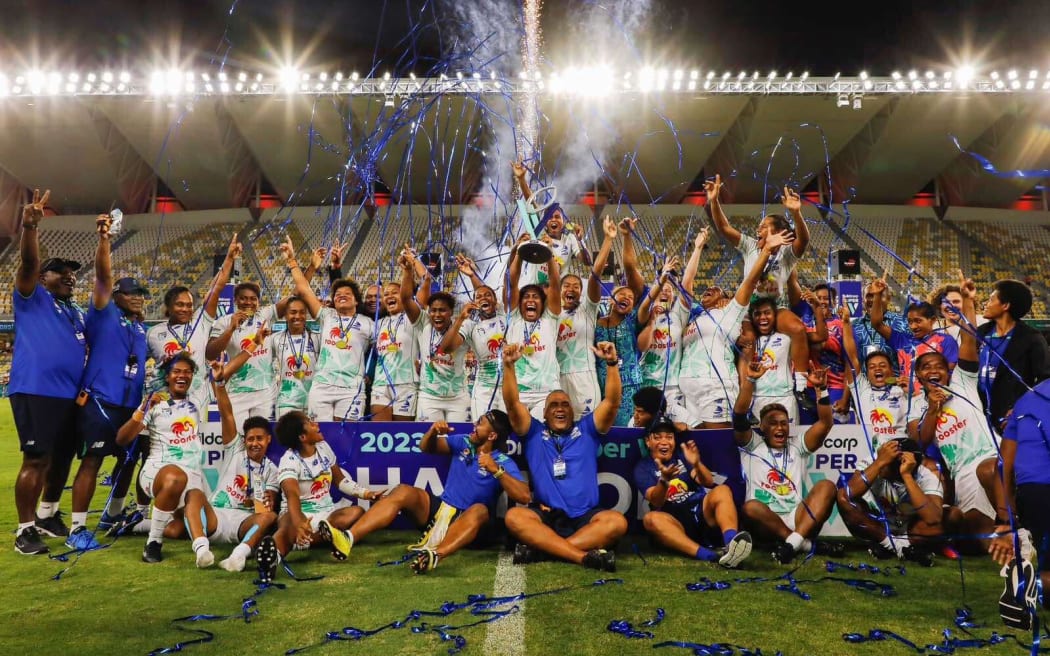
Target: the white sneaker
pixel 736 551
pixel 235 563
pixel 205 558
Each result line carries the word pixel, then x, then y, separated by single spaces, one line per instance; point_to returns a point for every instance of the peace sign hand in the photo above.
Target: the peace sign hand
pixel 33 212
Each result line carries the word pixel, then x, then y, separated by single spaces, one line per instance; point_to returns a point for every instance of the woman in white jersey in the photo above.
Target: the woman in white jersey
pixel 295 354
pixel 579 314
pixel 395 383
pixel 664 319
pixel 481 325
pixel 338 389
pixel 534 323
pixel 708 376
pixel 187 331
pixel 173 467
pixel 775 278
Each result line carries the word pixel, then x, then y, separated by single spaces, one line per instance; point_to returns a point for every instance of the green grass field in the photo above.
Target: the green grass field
pixel 112 603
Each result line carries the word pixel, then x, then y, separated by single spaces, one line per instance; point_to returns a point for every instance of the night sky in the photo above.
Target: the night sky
pixel 352 34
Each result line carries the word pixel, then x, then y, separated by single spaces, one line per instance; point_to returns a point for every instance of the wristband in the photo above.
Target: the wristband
pixel 613 363
pixel 752 380
pixel 499 472
pixel 138 416
pixel 219 383
pixel 740 422
pixel 822 393
pixel 291 264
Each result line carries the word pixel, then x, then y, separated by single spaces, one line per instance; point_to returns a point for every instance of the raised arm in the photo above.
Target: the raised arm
pixel 820 335
pixel 849 344
pixel 793 204
pixel 511 293
pixel 630 258
pixel 132 427
pixel 103 265
pixel 814 437
pixel 211 301
pixel 693 264
pixel 467 268
pixel 878 308
pixel 222 400
pixel 646 306
pixel 518 412
pixel 435 440
pixel 302 284
pixel 749 375
pixel 968 343
pixel 452 339
pixel 520 172
pixel 859 484
pixel 554 286
pixel 605 413
pixel 409 301
pixel 721 221
pixel 585 255
pixel 28 272
pixel 594 281
pixel 747 287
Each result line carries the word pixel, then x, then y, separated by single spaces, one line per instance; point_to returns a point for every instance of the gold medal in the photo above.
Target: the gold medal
pixel 529 350
pixel 341 344
pixel 300 375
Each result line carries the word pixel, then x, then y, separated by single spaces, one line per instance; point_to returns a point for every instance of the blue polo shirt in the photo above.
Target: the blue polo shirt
pixel 50 345
pixel 1029 426
pixel 469 483
pixel 112 340
pixel 577 492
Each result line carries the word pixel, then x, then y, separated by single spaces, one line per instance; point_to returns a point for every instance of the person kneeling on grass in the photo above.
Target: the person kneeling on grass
pixel 894 503
pixel 241 510
pixel 564 519
pixel 307 471
pixel 778 505
pixel 687 506
pixel 480 469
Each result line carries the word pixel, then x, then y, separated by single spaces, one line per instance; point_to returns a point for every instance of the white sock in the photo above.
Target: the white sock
pixel 886 542
pixel 142 508
pixel 115 506
pixel 46 509
pixel 200 543
pixel 795 540
pixel 800 381
pixel 23 526
pixel 157 523
pixel 806 546
pixel 79 519
pixel 242 550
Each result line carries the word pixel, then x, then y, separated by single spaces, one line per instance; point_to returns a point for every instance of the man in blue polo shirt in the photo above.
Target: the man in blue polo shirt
pixel 564 519
pixel 113 380
pixel 50 345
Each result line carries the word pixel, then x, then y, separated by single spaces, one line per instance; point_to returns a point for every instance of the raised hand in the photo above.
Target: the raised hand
pixel 577 230
pixel 33 212
pixel 671 471
pixel 338 251
pixel 888 452
pixel 845 315
pixel 908 463
pixel 809 297
pixel 878 285
pixel 609 227
pixel 670 266
pixel 712 187
pixel 487 462
pixel 511 353
pixel 286 248
pixel 691 453
pixel 818 377
pixel 261 334
pixel 235 249
pixel 103 222
pixel 605 351
pixel 969 289
pixel 468 309
pixel 464 264
pixel 627 225
pixel 701 238
pixel 777 239
pixel 317 257
pixel 518 168
pixel 792 201
pixel 216 370
pixel 441 428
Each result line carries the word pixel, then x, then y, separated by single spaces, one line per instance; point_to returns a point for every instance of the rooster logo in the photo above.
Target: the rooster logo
pixel 240 482
pixel 947 415
pixel 248 343
pixel 335 332
pixel 769 359
pixel 321 484
pixel 778 482
pixel 494 343
pixel 564 327
pixel 659 336
pixel 183 426
pixel 171 347
pixel 880 416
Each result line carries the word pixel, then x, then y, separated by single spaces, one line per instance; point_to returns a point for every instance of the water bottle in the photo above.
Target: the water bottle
pixel 116 222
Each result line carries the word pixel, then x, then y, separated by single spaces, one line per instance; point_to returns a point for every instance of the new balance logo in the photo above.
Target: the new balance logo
pixel 98 445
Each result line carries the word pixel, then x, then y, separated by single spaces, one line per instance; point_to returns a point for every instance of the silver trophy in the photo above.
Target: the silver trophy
pixel 116 222
pixel 535 251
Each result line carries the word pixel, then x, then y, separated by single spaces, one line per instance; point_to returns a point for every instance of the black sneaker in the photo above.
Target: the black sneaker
pixel 1016 604
pixel 784 553
pixel 881 552
pixel 267 557
pixel 152 554
pixel 830 549
pixel 600 559
pixel 53 526
pixel 918 555
pixel 524 554
pixel 425 561
pixel 804 402
pixel 28 543
pixel 126 524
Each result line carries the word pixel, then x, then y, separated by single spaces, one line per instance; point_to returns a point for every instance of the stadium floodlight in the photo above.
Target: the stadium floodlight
pixel 386 76
pixel 1012 74
pixel 838 75
pixel 1032 74
pixel 932 84
pixel 900 85
pixel 741 76
pixel 222 76
pixel 1015 84
pixel 896 75
pixel 156 83
pixel 692 85
pixel 863 75
pixel 1046 86
pixel 54 83
pixel 947 75
pixel 964 75
pixel 239 87
pixel 679 74
pixel 205 77
pixel 339 76
pixel 772 75
pixel 805 75
pixel 91 77
pixel 107 77
pixel 70 88
pixel 929 75
pixel 121 87
pixel 995 75
pixel 790 75
pixel 86 88
pixel 35 81
pixel 999 84
pixel 208 87
pixel 459 75
pixel 754 75
pixel 707 84
pixel 323 76
pixel 725 76
pixel 868 84
pixel 913 75
pixel 74 77
pixel 1029 85
pixel 694 74
pixel 354 76
pixel 677 85
pixel 289 78
pixel 242 77
pixel 124 77
pixel 254 86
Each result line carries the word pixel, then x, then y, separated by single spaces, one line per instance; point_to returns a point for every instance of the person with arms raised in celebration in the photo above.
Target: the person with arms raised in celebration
pixel 565 246
pixel 621 326
pixel 664 319
pixel 395 388
pixel 338 389
pixel 481 325
pixel 882 404
pixel 688 512
pixel 777 271
pixel 49 352
pixel 113 380
pixel 778 504
pixel 579 312
pixel 480 469
pixel 894 503
pixel 307 472
pixel 534 320
pixel 564 520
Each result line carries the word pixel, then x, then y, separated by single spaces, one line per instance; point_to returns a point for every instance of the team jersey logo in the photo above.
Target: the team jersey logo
pixel 565 329
pixel 183 426
pixel 171 347
pixel 298 368
pixel 532 343
pixel 240 482
pixel 321 484
pixel 337 338
pixel 769 359
pixel 778 482
pixel 494 343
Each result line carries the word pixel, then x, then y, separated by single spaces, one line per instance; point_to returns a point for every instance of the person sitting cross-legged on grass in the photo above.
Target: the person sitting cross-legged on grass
pixel 241 509
pixel 564 520
pixel 894 503
pixel 479 470
pixel 688 509
pixel 307 472
pixel 778 505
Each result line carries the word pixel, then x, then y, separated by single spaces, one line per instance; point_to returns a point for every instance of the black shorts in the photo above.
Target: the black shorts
pixel 97 426
pixel 696 529
pixel 45 424
pixel 1033 509
pixel 561 523
pixel 487 534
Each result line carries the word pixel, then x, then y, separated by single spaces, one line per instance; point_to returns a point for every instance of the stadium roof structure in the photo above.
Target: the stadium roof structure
pixel 883 140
